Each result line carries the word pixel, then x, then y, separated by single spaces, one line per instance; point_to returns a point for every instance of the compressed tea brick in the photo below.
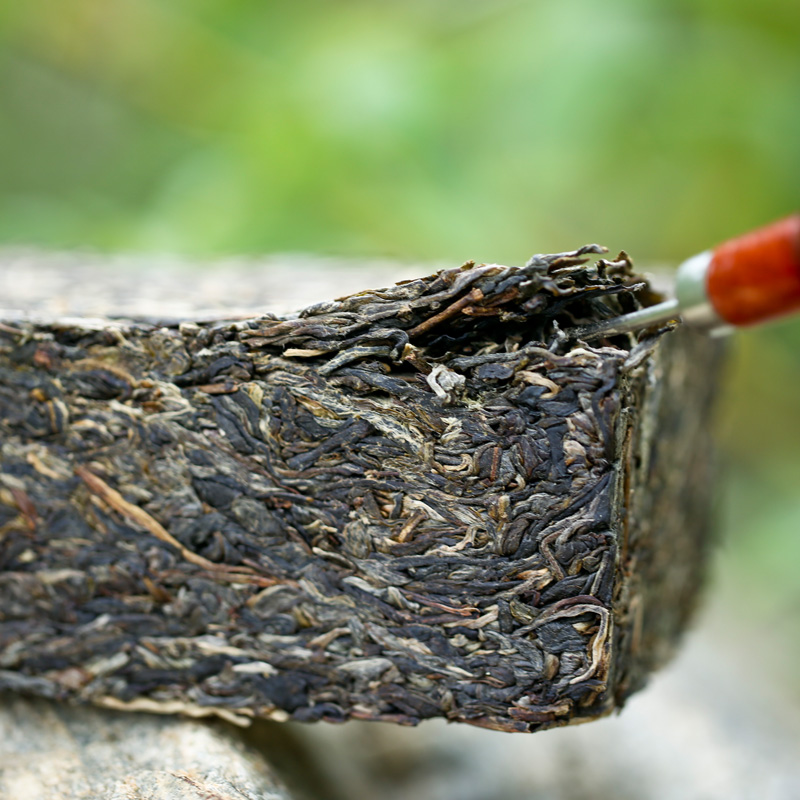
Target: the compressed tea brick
pixel 427 500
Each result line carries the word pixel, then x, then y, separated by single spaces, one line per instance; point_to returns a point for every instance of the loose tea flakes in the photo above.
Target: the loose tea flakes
pixel 421 501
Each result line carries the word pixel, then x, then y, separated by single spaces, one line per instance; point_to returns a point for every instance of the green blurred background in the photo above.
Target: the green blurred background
pixel 438 130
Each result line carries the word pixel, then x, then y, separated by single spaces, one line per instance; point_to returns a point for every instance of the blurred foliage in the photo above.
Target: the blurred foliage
pixel 758 581
pixel 442 129
pixel 435 129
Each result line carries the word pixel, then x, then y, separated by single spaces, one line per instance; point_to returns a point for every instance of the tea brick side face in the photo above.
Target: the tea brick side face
pixel 414 502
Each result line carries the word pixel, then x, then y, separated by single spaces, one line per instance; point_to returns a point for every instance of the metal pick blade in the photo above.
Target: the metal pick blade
pixel 644 318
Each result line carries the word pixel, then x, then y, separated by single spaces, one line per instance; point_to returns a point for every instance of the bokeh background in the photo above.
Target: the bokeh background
pixel 436 131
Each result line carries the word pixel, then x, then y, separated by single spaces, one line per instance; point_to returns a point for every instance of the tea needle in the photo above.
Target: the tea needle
pixel 743 281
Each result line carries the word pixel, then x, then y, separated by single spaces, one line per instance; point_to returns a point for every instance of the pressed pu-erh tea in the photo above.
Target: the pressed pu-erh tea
pixel 431 500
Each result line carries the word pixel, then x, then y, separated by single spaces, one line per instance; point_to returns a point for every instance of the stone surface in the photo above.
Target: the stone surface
pixel 49 751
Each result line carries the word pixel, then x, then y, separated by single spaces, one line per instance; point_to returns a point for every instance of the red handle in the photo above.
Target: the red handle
pixel 757 276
